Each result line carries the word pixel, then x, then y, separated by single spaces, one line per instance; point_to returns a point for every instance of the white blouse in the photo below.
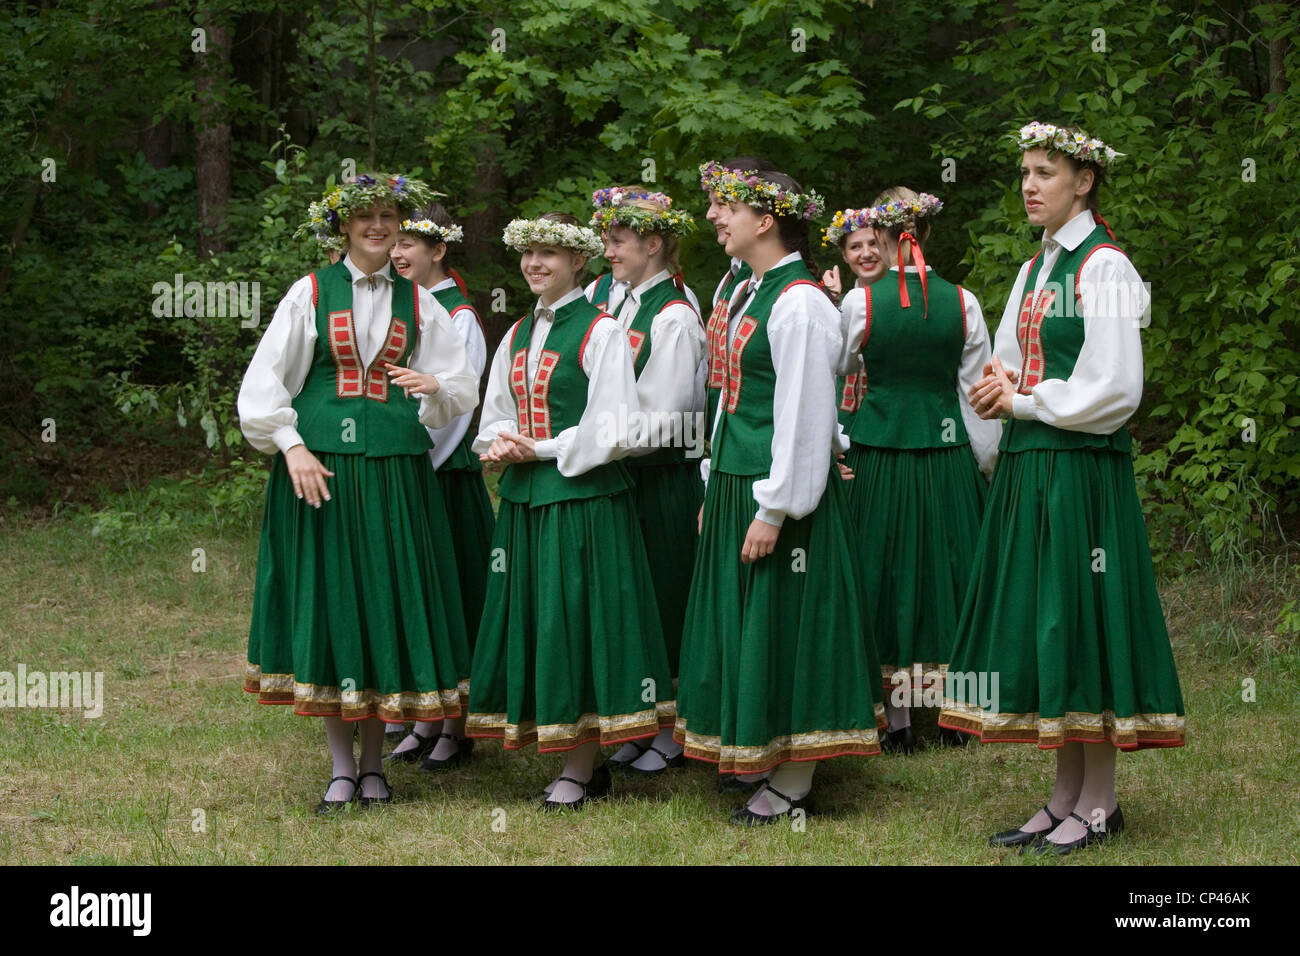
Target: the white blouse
pixel 984 434
pixel 804 333
pixel 1105 386
pixel 449 436
pixel 671 375
pixel 284 356
pixel 619 289
pixel 602 434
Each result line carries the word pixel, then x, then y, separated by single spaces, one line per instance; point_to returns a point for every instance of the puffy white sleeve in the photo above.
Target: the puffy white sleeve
pixel 602 434
pixel 853 326
pixel 440 351
pixel 591 289
pixel 1105 387
pixel 805 338
pixel 277 372
pixel 446 439
pixel 667 381
pixel 500 413
pixel 690 297
pixel 984 433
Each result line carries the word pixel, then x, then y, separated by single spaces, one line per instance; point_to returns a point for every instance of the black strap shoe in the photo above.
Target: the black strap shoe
pixel 1010 838
pixel 747 817
pixel 371 801
pixel 330 806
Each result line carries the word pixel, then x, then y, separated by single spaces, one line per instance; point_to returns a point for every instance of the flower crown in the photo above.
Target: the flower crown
pixel 741 185
pixel 898 211
pixel 522 233
pixel 325 216
pixel 429 228
pixel 845 222
pixel 1083 148
pixel 612 209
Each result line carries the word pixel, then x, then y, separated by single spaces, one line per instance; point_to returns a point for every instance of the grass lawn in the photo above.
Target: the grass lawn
pixel 178 736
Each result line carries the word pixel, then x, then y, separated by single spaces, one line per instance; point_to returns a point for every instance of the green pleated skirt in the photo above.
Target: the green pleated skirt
pixel 1061 636
pixel 569 650
pixel 914 518
pixel 775 663
pixel 668 501
pixel 356 607
pixel 469 514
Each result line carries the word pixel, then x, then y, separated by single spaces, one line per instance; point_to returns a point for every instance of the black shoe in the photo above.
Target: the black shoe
pixel 731 783
pixel 892 741
pixel 747 817
pixel 1009 838
pixel 329 806
pixel 371 801
pixel 1114 824
pixel 624 764
pixel 677 761
pixel 598 786
pixel 464 748
pixel 414 753
pixel 953 738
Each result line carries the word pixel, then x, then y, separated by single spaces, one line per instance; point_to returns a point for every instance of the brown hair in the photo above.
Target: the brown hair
pixel 436 213
pixel 1078 165
pixel 565 219
pixel 920 228
pixel 792 230
pixel 671 249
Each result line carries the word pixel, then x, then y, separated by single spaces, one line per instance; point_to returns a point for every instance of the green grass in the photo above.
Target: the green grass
pixel 179 736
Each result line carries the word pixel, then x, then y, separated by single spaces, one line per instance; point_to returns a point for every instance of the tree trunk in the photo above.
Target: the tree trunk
pixel 212 139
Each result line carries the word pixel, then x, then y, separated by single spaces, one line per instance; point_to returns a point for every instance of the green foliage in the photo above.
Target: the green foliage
pixel 515 108
pixel 1221 418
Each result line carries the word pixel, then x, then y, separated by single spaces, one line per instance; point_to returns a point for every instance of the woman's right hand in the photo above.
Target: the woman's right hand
pixel 308 475
pixel 831 280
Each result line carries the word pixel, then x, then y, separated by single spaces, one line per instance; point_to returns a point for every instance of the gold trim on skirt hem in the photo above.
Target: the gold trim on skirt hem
pixel 814 745
pixel 589 728
pixel 1126 733
pixel 323 700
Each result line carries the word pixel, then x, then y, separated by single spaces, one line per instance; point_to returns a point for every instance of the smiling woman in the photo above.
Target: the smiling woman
pixel 570 652
pixel 356 612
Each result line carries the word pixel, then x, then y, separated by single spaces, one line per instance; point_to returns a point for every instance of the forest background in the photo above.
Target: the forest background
pixel 151 141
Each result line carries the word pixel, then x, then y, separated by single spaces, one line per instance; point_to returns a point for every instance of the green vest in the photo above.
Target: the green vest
pixel 600 294
pixel 552 402
pixel 1050 342
pixel 911 357
pixel 655 300
pixel 464 457
pixel 348 409
pixel 715 331
pixel 742 440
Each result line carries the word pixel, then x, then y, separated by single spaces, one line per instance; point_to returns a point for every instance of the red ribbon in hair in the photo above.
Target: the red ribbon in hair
pixel 460 283
pixel 1097 220
pixel 679 280
pixel 919 259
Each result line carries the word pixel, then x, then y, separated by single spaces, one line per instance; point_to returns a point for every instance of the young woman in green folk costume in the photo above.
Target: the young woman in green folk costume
pixel 917 452
pixel 421 255
pixel 356 612
pixel 1062 606
pixel 570 653
pixel 640 230
pixel 851 230
pixel 775 673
